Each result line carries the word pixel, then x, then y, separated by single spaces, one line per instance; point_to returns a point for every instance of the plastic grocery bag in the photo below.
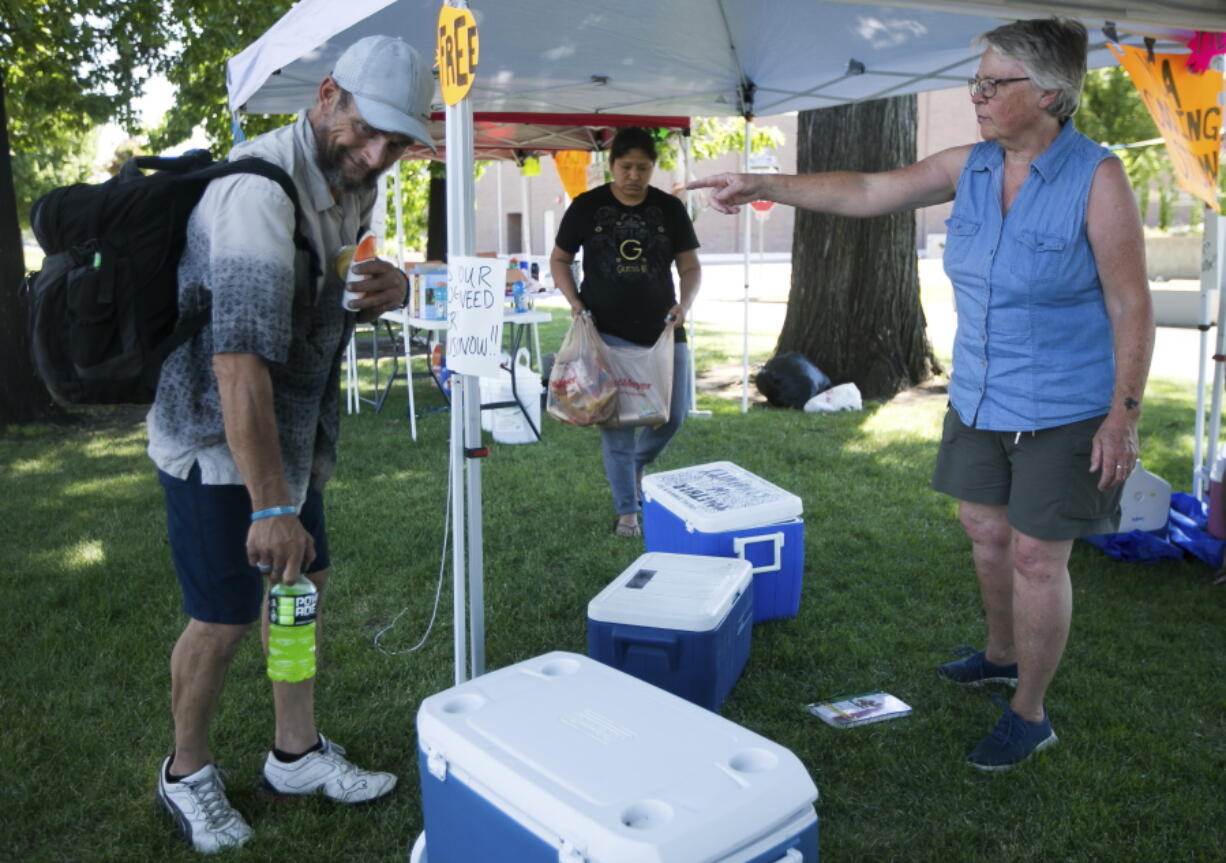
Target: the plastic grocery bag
pixel 844 397
pixel 644 379
pixel 581 385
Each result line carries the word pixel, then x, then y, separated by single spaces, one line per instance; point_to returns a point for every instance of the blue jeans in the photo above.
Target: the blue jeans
pixel 627 451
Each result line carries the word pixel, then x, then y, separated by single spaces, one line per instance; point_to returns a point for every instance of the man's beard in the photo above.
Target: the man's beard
pixel 332 158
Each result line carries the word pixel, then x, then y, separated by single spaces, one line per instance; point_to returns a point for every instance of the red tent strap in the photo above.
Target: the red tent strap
pixel 596 120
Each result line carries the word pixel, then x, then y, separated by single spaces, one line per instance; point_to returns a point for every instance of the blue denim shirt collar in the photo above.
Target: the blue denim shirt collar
pixel 1048 164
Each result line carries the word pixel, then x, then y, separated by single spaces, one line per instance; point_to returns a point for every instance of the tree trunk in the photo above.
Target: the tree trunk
pixel 854 307
pixel 436 218
pixel 23 398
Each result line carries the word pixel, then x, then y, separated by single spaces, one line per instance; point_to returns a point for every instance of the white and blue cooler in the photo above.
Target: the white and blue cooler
pixel 723 510
pixel 563 759
pixel 679 621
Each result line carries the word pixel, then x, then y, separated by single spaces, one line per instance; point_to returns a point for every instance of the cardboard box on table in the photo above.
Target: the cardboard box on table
pixel 563 758
pixel 682 622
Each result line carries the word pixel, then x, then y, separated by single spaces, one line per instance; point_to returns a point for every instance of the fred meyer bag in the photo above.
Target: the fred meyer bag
pixel 581 388
pixel 644 382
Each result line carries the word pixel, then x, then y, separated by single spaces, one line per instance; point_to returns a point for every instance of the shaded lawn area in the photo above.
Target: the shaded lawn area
pixel 92 611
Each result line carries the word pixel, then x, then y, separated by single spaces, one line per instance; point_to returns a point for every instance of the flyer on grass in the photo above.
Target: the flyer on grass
pixel 851 710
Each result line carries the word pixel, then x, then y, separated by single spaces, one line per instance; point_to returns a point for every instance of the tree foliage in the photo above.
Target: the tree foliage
pixel 1113 114
pixel 207 33
pixel 69 66
pixel 66 66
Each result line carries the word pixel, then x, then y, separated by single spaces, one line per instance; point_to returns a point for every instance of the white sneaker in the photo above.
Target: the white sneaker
pixel 326 771
pixel 198 804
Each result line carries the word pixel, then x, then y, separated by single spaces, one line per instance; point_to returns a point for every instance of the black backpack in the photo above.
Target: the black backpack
pixel 104 308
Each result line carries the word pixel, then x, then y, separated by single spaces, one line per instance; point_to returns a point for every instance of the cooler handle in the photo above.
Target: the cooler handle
pixel 650 644
pixel 792 856
pixel 739 543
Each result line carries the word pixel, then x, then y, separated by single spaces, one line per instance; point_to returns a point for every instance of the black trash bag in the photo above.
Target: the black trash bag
pixel 789 380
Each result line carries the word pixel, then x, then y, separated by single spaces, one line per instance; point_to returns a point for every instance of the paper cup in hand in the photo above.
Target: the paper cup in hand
pixel 365 251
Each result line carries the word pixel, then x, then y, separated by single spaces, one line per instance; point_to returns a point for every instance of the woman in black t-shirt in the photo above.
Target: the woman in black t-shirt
pixel 631 233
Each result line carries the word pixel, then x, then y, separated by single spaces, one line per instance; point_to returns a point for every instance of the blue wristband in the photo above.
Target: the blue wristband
pixel 276 510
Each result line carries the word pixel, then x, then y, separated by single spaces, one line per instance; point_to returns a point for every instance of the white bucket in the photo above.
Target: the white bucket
pixel 1145 501
pixel 509 424
pixel 493 390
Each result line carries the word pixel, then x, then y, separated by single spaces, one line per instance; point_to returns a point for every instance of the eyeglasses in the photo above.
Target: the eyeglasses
pixel 986 87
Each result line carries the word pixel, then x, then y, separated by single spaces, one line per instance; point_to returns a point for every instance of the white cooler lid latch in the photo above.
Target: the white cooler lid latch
pixel 777 539
pixel 436 763
pixel 569 853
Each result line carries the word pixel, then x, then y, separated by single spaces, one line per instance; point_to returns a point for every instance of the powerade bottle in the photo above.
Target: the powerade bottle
pixel 291 630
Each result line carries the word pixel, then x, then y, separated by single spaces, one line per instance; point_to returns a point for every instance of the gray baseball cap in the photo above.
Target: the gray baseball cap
pixel 391 85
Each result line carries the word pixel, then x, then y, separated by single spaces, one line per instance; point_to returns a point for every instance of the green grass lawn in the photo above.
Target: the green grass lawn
pixel 92 609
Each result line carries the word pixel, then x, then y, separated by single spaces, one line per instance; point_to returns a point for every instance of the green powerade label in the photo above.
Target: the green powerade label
pixel 292 610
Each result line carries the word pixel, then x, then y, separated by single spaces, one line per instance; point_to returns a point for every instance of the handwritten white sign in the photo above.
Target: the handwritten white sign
pixel 475 295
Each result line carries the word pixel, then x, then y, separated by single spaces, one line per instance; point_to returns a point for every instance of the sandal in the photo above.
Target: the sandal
pixel 626 530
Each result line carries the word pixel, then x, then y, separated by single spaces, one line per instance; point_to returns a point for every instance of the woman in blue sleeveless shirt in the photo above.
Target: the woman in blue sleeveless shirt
pixel 1055 331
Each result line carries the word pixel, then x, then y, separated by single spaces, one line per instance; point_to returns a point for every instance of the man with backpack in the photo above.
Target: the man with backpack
pixel 244 425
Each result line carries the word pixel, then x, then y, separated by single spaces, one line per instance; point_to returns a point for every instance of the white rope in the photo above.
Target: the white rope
pixel 438 590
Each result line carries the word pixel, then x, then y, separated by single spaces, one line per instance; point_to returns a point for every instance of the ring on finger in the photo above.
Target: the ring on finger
pixel 264 567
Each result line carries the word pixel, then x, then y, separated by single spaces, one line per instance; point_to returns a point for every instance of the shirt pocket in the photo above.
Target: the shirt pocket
pixel 1047 255
pixel 960 237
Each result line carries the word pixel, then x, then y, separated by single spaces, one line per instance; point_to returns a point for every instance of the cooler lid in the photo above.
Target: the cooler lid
pixel 689 592
pixel 720 496
pixel 587 757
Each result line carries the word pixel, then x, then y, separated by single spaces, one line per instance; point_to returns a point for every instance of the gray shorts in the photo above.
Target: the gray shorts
pixel 1043 477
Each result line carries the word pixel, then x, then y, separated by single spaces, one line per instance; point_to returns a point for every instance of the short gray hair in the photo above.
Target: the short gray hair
pixel 1053 53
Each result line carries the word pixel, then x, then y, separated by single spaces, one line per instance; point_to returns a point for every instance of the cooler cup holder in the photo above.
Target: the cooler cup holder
pixel 464 703
pixel 647 814
pixel 559 667
pixel 753 761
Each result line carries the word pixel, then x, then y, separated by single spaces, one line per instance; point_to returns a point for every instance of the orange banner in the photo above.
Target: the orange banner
pixel 1185 106
pixel 572 168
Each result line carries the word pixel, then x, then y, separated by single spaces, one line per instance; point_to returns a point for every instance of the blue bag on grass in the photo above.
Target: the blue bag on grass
pixel 1184 532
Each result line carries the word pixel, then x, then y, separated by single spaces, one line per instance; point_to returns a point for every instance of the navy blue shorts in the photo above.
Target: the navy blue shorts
pixel 208 527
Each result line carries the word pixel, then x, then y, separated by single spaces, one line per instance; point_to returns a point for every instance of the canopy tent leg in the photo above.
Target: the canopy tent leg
pixel 502 216
pixel 465 412
pixel 1219 371
pixel 525 222
pixel 687 175
pixel 1211 257
pixel 745 243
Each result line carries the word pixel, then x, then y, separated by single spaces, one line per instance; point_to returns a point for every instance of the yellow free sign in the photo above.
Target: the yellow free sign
pixel 456 53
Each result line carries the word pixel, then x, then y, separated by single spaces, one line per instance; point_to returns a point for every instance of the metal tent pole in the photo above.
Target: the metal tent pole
pixel 692 335
pixel 397 189
pixel 465 407
pixel 1203 455
pixel 525 221
pixel 502 216
pixel 1213 275
pixel 1219 356
pixel 745 243
pixel 466 420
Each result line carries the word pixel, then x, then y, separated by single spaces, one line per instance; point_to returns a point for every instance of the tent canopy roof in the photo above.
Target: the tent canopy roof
pixel 683 57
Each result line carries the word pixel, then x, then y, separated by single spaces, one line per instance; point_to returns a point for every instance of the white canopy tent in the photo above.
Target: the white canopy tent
pixel 683 57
